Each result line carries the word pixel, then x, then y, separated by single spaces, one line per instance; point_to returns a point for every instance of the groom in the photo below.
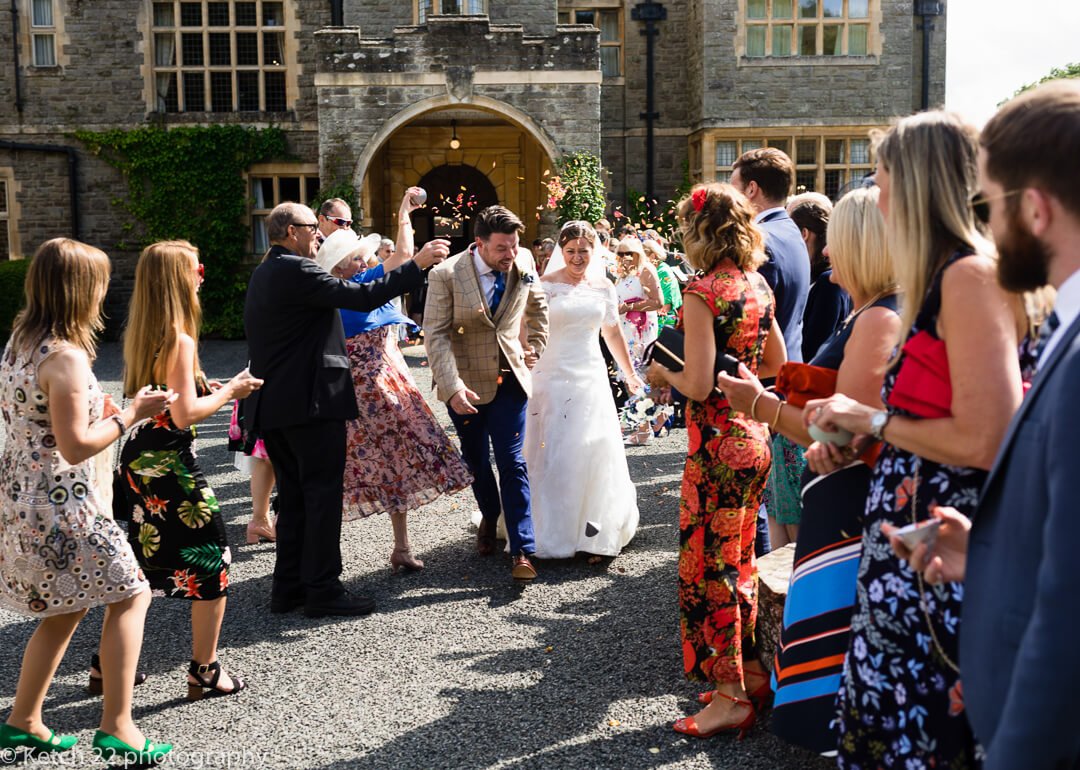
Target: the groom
pixel 473 332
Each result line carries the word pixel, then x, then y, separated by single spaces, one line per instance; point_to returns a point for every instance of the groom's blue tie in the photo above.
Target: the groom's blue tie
pixel 496 295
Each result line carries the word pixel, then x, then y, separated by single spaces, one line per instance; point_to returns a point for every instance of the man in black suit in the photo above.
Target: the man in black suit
pixel 297 345
pixel 765 177
pixel 1017 556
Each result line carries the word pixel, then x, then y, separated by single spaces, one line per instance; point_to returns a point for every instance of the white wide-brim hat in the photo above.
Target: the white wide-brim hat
pixel 342 244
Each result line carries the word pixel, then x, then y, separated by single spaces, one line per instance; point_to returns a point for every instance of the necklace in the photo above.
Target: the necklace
pixel 883 293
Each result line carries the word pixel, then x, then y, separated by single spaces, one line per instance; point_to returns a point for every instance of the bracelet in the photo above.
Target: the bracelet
pixel 753 404
pixel 776 417
pixel 120 422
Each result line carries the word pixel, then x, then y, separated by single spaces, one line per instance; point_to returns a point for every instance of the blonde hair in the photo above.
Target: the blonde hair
pixel 65 288
pixel 857 248
pixel 654 250
pixel 631 243
pixel 164 304
pixel 931 159
pixel 722 228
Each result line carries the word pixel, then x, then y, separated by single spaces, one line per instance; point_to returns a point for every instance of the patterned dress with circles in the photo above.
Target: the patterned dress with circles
pixel 59 550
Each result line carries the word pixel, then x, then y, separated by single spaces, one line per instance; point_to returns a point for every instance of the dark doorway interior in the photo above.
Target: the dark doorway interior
pixel 455 195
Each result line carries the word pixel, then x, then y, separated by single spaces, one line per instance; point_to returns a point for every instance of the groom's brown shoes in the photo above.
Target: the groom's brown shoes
pixel 523 571
pixel 485 538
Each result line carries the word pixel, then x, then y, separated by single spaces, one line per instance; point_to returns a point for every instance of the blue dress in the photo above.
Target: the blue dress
pixel 901 702
pixel 821 594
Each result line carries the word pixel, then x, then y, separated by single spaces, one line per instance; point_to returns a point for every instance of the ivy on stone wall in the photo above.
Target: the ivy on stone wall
pixel 583 196
pixel 187 182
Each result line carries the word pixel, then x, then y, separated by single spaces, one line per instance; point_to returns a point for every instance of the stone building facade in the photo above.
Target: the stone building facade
pixel 371 93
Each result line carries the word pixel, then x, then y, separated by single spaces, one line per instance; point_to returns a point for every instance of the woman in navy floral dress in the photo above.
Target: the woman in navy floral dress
pixel 901 699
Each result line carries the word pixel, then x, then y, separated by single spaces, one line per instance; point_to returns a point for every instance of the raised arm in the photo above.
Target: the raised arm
pixel 317 287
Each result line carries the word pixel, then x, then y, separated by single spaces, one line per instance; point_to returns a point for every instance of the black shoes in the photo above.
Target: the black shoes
pixel 343 605
pixel 280 605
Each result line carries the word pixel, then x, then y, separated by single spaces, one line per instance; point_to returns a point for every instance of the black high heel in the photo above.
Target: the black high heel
pixel 94 687
pixel 208 676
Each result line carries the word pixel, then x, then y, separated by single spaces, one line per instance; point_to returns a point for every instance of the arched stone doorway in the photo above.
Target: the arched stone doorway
pixel 455 195
pixel 494 152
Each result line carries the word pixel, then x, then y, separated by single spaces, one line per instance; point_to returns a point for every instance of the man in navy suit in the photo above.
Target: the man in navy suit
pixel 1017 556
pixel 297 345
pixel 765 177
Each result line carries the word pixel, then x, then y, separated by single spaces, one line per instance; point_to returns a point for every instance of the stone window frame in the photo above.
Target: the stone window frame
pixel 770 24
pixel 255 180
pixel 9 215
pixel 174 100
pixel 464 8
pixel 43 30
pixel 830 160
pixel 29 31
pixel 567 15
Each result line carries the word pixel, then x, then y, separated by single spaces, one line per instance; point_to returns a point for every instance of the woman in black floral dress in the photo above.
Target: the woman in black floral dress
pixel 901 700
pixel 176 529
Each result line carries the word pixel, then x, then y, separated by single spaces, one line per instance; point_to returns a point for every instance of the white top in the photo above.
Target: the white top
pixel 1067 307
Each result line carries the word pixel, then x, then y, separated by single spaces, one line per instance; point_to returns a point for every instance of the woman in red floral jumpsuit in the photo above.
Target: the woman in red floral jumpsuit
pixel 728 309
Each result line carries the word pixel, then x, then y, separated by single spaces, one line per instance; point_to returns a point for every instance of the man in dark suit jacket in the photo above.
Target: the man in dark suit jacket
pixel 1020 624
pixel 297 345
pixel 765 177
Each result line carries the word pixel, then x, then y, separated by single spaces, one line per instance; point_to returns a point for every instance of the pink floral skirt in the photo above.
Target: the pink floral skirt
pixel 397 458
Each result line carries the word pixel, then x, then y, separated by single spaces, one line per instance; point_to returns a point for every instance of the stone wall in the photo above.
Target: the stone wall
pixel 366 83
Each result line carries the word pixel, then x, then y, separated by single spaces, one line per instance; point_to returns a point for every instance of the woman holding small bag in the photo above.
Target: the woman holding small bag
pixel 950 393
pixel 853 360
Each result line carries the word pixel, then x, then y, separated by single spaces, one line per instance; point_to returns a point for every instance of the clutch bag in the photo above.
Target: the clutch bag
pixel 923 386
pixel 668 351
pixel 802 382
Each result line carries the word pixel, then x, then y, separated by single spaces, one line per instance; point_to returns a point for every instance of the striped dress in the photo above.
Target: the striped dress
pixel 821 594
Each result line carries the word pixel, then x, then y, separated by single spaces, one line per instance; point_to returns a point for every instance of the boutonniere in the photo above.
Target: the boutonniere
pixel 527 277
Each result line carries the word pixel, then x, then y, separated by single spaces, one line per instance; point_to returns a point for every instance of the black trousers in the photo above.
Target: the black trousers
pixel 309 463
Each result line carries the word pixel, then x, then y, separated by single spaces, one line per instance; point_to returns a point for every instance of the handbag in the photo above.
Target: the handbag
pixel 923 387
pixel 668 351
pixel 802 382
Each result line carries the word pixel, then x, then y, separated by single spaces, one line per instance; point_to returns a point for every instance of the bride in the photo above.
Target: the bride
pixel 582 495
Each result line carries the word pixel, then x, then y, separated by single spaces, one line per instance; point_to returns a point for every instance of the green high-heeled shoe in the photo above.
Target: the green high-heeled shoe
pixel 14 738
pixel 107 747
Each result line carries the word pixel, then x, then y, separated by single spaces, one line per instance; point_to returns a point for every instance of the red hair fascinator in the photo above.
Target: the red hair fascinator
pixel 698 198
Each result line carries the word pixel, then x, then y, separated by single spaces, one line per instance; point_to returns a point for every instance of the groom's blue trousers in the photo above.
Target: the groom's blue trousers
pixel 502 423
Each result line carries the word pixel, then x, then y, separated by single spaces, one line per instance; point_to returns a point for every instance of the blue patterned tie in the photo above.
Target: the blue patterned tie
pixel 497 293
pixel 1046 331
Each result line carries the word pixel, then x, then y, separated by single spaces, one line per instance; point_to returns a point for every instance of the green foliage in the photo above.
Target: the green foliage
pixel 583 189
pixel 188 183
pixel 649 215
pixel 12 278
pixel 1057 73
pixel 339 189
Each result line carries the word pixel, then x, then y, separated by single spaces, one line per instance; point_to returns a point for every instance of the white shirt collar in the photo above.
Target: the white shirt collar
pixel 1067 308
pixel 482 267
pixel 766 213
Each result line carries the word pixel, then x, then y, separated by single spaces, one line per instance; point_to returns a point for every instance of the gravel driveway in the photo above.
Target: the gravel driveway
pixel 458 667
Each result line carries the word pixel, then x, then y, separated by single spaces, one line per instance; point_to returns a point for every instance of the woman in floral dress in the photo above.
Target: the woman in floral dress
pixel 60 552
pixel 176 528
pixel 901 699
pixel 397 457
pixel 728 309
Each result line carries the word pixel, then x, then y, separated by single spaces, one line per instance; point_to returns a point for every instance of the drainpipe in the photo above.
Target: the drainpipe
pixel 73 175
pixel 15 54
pixel 649 12
pixel 927 10
pixel 337 13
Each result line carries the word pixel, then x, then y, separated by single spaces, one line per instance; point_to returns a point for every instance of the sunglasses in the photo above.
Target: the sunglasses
pixel 626 253
pixel 340 222
pixel 313 227
pixel 201 270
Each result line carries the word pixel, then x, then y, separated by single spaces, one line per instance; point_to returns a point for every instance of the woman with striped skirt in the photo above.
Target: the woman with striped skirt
pixel 821 595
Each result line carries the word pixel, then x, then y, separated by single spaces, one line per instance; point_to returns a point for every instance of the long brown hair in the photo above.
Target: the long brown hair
pixel 931 160
pixel 717 224
pixel 65 287
pixel 164 304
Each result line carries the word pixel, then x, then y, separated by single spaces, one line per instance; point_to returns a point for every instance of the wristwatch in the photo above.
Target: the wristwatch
pixel 878 421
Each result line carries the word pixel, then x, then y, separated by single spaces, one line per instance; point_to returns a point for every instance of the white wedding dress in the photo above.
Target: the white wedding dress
pixel 582 495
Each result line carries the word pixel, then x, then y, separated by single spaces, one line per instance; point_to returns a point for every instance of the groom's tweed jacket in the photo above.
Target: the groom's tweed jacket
pixel 466 345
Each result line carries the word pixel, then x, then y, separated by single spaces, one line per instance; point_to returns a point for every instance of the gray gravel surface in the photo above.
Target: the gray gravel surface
pixel 458 667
